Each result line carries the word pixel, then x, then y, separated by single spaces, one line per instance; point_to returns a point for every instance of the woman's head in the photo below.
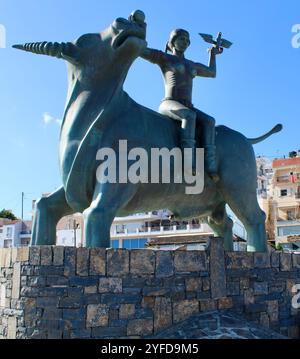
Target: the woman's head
pixel 179 39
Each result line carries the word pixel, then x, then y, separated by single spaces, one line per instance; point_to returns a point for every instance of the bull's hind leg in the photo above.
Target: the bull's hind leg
pixel 48 211
pixel 247 209
pixel 221 224
pixel 107 200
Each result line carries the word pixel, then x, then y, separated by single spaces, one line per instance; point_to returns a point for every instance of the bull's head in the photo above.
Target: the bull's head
pixel 95 55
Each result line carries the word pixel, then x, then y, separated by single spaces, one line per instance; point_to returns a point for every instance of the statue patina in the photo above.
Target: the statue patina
pixel 99 113
pixel 178 74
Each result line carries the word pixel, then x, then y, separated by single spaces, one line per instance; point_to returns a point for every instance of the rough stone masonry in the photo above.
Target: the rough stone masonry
pixel 64 292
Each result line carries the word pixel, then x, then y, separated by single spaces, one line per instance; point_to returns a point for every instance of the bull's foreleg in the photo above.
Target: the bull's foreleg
pixel 107 200
pixel 221 224
pixel 48 211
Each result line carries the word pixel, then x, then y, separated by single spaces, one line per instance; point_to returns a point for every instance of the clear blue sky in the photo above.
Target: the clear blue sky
pixel 257 84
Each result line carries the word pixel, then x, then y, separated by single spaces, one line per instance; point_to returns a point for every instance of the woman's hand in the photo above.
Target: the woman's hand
pixel 215 50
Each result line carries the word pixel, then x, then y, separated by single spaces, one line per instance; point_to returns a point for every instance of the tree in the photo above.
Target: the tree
pixel 7 214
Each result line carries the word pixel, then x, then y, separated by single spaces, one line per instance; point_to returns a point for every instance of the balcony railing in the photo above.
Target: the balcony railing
pixel 159 230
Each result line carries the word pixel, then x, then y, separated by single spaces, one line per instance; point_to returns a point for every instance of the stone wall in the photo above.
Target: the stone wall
pixel 57 292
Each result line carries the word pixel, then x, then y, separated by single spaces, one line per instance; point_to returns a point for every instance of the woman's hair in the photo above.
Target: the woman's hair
pixel 173 36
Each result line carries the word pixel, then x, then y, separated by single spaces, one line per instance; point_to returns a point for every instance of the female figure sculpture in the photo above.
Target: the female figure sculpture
pixel 178 74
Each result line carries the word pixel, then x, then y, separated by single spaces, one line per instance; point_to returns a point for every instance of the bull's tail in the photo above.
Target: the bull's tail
pixel 275 129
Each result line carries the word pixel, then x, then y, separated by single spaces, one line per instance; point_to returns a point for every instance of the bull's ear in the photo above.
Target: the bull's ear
pixel 67 51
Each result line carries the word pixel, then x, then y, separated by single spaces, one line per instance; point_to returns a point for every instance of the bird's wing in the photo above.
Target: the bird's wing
pixel 225 43
pixel 207 38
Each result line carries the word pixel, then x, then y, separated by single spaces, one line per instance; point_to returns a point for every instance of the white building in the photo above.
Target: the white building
pixel 14 233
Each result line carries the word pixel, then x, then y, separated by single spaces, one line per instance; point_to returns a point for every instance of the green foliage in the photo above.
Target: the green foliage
pixel 7 214
pixel 279 246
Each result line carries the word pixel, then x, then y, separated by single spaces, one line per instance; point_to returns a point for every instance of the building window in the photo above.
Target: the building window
pixel 288 230
pixel 8 232
pixel 283 192
pixel 115 243
pixel 134 243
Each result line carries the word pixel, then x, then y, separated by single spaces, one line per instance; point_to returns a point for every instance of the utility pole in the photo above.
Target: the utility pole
pixel 22 206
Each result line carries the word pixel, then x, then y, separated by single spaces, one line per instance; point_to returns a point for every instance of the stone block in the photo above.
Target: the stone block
pixel 70 302
pixel 142 262
pixel 217 268
pixel 55 280
pixel 16 281
pixel 184 309
pixel 225 303
pixel 117 262
pixel 22 254
pixel 69 260
pixel 233 288
pixel 91 299
pixel 264 320
pixel 97 315
pixel 58 255
pixel 12 328
pixel 46 255
pixel 51 292
pixel 260 288
pixel 162 313
pixel 83 281
pixel 193 284
pixel 82 262
pixel 275 259
pixel 207 305
pixel 127 311
pixel 140 327
pixel 35 256
pixel 98 261
pixel 91 289
pixel 262 260
pixel 285 262
pixel 73 314
pixel 164 264
pixel 43 302
pixel 135 282
pixel 75 291
pixel 49 270
pixel 5 257
pixel 296 261
pixel 249 296
pixel 239 260
pixel 120 299
pixel 2 295
pixel 132 290
pixel 190 261
pixel 155 291
pixel 272 310
pixel 110 285
pixel 29 292
pixel 52 313
pixel 35 281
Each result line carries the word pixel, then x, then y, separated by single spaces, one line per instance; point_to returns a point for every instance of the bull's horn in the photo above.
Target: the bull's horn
pixel 55 49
